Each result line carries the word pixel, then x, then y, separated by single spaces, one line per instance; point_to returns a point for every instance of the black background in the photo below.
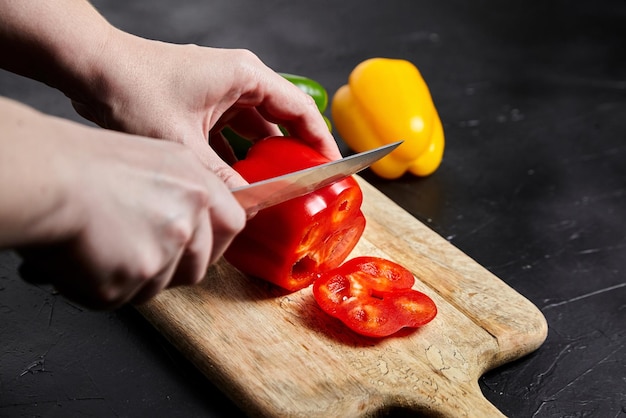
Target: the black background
pixel 532 95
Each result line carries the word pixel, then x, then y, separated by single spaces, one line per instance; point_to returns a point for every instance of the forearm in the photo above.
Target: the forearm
pixel 34 183
pixel 57 42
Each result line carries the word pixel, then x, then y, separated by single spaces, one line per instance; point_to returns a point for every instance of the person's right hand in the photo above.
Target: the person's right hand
pixel 109 218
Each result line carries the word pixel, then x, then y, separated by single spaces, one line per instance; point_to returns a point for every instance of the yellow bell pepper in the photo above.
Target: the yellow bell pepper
pixel 387 100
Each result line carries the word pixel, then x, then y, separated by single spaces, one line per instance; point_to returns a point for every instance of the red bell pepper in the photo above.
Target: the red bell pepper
pixel 291 243
pixel 373 297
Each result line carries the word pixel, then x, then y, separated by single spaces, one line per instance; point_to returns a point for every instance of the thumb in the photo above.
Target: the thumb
pixel 226 173
pixel 213 158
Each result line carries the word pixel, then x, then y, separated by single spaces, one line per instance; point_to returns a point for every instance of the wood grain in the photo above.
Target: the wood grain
pixel 277 354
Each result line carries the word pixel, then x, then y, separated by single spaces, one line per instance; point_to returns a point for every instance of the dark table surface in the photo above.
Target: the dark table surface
pixel 533 186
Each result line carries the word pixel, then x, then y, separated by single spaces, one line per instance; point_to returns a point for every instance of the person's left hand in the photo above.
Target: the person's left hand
pixel 188 93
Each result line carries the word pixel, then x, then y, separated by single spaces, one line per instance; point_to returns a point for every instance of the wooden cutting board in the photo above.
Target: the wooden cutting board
pixel 278 354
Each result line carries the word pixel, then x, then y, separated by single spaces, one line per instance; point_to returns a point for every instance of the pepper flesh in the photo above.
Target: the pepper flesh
pixel 291 243
pixel 387 100
pixel 373 297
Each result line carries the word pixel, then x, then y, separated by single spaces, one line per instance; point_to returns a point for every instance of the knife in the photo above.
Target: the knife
pixel 262 194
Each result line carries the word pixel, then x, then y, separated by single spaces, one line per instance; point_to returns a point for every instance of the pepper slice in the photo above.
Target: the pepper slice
pixel 373 297
pixel 387 100
pixel 291 243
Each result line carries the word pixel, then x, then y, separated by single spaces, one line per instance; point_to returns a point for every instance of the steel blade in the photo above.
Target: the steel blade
pixel 266 193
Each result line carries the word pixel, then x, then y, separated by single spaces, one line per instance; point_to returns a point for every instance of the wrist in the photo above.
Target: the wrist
pixel 54 42
pixel 35 180
pixel 81 63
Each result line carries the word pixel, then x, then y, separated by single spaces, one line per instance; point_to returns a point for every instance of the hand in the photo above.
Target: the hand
pixel 186 93
pixel 109 218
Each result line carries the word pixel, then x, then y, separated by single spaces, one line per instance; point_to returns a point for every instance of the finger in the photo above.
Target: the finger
pixel 289 106
pixel 222 148
pixel 226 218
pixel 249 123
pixel 222 240
pixel 142 292
pixel 194 262
pixel 211 160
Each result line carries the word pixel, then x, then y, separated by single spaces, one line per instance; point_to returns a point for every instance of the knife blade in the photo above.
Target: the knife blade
pixel 263 194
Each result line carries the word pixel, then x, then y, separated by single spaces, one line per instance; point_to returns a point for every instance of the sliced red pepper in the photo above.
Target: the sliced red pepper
pixel 373 297
pixel 291 243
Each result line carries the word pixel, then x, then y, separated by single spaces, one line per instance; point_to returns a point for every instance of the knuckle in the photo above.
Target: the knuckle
pixel 308 100
pixel 239 221
pixel 231 224
pixel 148 265
pixel 179 231
pixel 249 67
pixel 194 200
pixel 246 57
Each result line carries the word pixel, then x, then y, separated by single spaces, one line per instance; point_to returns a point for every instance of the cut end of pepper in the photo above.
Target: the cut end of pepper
pixel 290 244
